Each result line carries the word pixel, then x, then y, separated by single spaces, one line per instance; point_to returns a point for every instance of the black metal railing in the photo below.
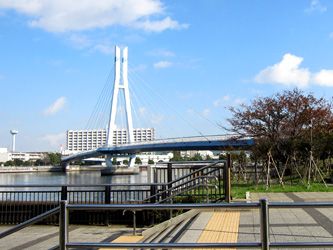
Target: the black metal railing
pixel 263 205
pixel 202 183
pixel 178 169
pixel 22 202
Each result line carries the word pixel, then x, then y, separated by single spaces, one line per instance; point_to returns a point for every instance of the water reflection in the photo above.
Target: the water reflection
pixel 81 178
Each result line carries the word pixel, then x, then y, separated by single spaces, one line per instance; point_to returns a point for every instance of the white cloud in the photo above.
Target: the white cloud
pixel 316 5
pixel 80 41
pixel 157 119
pixel 142 111
pixel 205 112
pixel 286 72
pixel 324 78
pixel 64 15
pixel 138 68
pixel 162 52
pixel 162 64
pixel 239 101
pixel 161 25
pixel 104 48
pixel 55 140
pixel 55 106
pixel 219 101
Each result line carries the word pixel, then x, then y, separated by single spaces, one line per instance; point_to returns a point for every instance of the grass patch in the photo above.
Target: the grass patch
pixel 238 190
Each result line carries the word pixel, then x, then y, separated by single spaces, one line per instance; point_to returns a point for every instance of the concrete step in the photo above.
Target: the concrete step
pixel 194 230
pixel 170 230
pixel 179 230
pixel 160 237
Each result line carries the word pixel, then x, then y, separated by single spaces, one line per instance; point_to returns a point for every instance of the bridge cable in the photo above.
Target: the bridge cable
pixel 141 102
pixel 104 97
pixel 170 107
pixel 146 102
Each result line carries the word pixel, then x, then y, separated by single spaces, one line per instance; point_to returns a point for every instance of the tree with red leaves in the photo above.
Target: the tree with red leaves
pixel 286 126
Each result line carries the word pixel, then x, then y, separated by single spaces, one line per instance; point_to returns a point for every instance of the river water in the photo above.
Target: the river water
pixel 80 178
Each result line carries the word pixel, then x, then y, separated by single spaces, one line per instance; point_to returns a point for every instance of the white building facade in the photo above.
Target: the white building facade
pixel 83 140
pixel 5 155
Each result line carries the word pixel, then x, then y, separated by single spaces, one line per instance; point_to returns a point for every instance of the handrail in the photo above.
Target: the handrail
pixel 180 163
pixel 162 245
pixel 29 222
pixel 188 189
pixel 179 185
pixel 194 172
pixel 264 243
pixel 81 185
pixel 181 206
pixel 169 184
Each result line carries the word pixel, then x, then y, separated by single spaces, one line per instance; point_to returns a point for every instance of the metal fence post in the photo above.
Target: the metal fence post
pixel 264 224
pixel 107 200
pixel 153 193
pixel 227 179
pixel 134 222
pixel 169 176
pixel 63 225
pixel 63 193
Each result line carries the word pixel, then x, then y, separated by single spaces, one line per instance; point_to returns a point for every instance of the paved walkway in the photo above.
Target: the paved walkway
pixel 290 225
pixel 294 224
pixel 45 237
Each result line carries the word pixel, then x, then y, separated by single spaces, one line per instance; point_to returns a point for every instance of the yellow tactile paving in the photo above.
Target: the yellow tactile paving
pixel 221 228
pixel 126 239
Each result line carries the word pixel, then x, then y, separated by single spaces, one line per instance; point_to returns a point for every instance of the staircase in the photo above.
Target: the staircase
pixel 201 185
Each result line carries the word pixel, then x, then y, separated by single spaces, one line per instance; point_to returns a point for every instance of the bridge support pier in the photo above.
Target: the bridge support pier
pixel 64 166
pixel 120 170
pixel 131 161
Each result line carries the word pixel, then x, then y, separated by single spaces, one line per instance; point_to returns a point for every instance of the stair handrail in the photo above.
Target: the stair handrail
pixel 184 183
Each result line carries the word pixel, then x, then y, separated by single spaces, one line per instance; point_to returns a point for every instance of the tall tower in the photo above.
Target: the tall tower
pixel 14 133
pixel 120 84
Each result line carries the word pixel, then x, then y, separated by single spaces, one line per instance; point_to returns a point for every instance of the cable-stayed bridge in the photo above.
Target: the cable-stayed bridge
pixel 217 142
pixel 131 147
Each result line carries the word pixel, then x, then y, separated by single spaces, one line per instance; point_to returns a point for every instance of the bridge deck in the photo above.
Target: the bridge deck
pixel 181 144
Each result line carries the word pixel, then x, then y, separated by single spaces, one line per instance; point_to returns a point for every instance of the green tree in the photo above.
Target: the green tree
pixel 208 157
pixel 39 162
pixel 177 156
pixel 150 161
pixel 55 158
pixel 196 157
pixel 222 156
pixel 9 163
pixel 138 160
pixel 18 162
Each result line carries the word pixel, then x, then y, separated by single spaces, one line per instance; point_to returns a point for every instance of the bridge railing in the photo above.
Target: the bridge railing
pixel 186 139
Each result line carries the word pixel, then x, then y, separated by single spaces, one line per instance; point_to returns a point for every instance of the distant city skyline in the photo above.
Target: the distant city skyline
pixel 188 60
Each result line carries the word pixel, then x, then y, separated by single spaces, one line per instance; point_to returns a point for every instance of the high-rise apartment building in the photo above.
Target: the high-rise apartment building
pixel 82 140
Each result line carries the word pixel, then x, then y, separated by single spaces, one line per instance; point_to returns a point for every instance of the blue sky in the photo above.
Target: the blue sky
pixel 188 60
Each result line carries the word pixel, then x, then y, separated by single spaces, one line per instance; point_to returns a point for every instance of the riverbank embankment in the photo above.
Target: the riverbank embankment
pixel 27 169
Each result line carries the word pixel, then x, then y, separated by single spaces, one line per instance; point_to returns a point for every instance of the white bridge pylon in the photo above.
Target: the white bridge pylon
pixel 120 84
